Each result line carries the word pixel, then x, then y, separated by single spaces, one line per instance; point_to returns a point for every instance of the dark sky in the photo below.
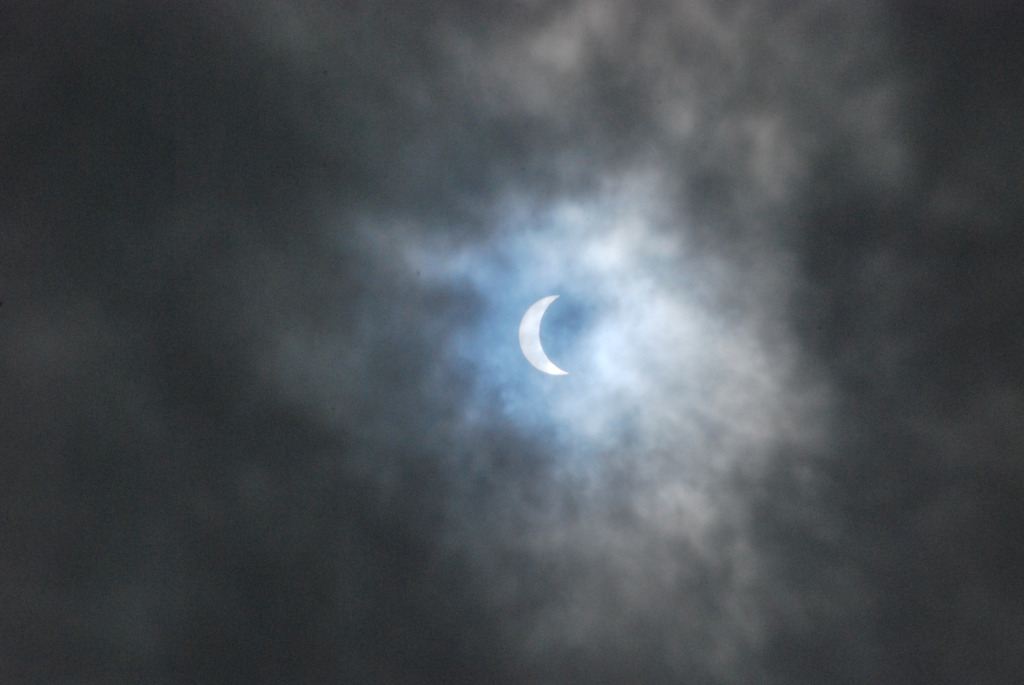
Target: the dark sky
pixel 263 414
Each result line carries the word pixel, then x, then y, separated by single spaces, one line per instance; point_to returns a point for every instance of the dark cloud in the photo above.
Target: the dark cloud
pixel 264 418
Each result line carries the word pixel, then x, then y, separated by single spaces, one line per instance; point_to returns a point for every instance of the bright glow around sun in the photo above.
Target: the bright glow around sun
pixel 652 360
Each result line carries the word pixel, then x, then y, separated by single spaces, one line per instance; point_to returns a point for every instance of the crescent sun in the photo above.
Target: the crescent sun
pixel 529 337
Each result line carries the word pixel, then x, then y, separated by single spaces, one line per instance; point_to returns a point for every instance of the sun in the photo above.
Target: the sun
pixel 529 337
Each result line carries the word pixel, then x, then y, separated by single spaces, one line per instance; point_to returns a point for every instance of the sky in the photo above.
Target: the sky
pixel 263 413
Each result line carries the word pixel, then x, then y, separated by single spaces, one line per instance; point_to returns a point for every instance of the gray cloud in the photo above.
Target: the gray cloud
pixel 264 415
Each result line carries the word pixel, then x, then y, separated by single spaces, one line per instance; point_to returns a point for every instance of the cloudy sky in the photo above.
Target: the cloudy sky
pixel 263 413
